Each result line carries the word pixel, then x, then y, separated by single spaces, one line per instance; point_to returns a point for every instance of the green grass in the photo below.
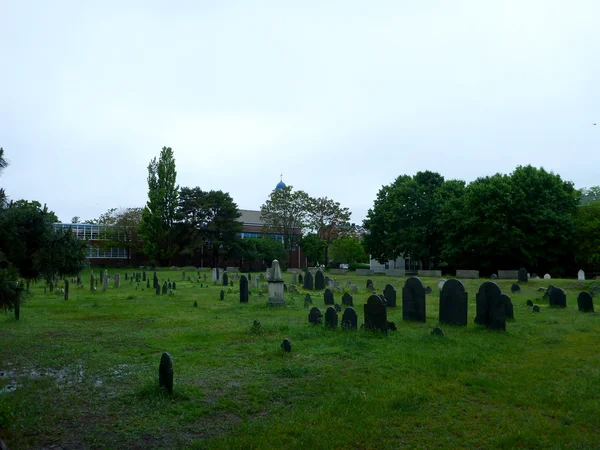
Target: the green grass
pixel 86 373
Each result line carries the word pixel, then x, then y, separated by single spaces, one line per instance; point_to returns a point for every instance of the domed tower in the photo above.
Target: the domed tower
pixel 281 184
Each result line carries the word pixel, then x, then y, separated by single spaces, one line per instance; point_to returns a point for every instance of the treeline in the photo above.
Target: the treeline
pixel 529 218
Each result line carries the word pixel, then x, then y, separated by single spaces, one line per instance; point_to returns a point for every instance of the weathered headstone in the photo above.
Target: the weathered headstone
pixel 347 300
pixel 225 279
pixel 328 297
pixel 585 302
pixel 165 372
pixel 164 288
pixel 195 304
pixel 390 295
pixel 515 288
pixel 441 284
pixel 491 308
pixel 369 284
pixel 169 285
pixel 437 331
pixel 144 275
pixel 529 303
pixel 547 277
pixel 307 301
pixel 581 275
pixel 453 303
pixel 294 277
pixel 174 286
pixel 275 285
pixel 148 283
pixel 222 295
pixel 337 307
pixel 509 309
pixel 536 308
pixel 105 281
pixel 557 298
pixel 349 319
pixel 375 314
pixel 243 289
pixel 522 275
pixel 286 345
pixel 353 288
pixel 314 316
pixel 319 281
pixel 413 300
pixel 308 281
pixel 326 280
pixel 300 279
pixel 331 317
pixel 494 276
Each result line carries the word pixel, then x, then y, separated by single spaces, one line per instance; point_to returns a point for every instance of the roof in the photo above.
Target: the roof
pixel 251 217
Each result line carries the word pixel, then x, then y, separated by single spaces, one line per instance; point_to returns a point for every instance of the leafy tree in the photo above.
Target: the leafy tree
pixel 159 214
pixel 328 219
pixel 587 226
pixel 314 247
pixel 123 229
pixel 286 212
pixel 403 220
pixel 348 249
pixel 3 165
pixel 269 249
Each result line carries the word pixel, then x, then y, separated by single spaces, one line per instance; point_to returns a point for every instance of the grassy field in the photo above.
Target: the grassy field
pixel 83 373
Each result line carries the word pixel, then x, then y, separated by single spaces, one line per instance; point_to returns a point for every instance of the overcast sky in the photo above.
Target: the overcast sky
pixel 339 96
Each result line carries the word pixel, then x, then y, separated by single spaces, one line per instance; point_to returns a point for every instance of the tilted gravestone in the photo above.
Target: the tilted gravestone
pixel 491 309
pixel 376 314
pixel 331 317
pixel 314 316
pixel 515 288
pixel 453 303
pixel 347 300
pixel 225 279
pixel 509 309
pixel 557 298
pixel 390 295
pixel 307 301
pixel 319 281
pixel 156 284
pixel 585 302
pixel 308 282
pixel 328 297
pixel 243 289
pixel 413 300
pixel 349 319
pixel 522 275
pixel 165 372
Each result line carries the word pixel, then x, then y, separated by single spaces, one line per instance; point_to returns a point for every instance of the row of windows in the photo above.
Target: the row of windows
pixel 113 252
pixel 246 235
pixel 86 232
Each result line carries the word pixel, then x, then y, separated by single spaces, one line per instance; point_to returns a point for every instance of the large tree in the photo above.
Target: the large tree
pixel 123 229
pixel 314 248
pixel 286 212
pixel 348 249
pixel 329 220
pixel 587 229
pixel 159 214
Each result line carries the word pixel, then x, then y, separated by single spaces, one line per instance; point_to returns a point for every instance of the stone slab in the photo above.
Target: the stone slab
pixel 464 273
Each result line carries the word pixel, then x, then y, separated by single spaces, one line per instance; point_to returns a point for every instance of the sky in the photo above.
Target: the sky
pixel 341 97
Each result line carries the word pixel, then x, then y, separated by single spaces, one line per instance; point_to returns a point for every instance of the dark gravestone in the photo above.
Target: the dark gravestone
pixel 225 279
pixel 169 286
pixel 308 282
pixel 331 317
pixel 195 304
pixel 522 275
pixel 314 316
pixel 144 275
pixel 376 314
pixel 390 295
pixel 328 297
pixel 157 290
pixel 222 295
pixel 243 289
pixel 164 288
pixel 536 308
pixel 453 303
pixel 585 303
pixel 285 287
pixel 148 283
pixel 392 326
pixel 529 303
pixel 300 279
pixel 491 309
pixel 261 276
pixel 510 312
pixel 286 345
pixel 557 298
pixel 307 301
pixel 349 319
pixel 515 288
pixel 174 286
pixel 347 300
pixel 165 372
pixel 369 282
pixel 413 300
pixel 337 307
pixel 428 290
pixel 437 331
pixel 319 281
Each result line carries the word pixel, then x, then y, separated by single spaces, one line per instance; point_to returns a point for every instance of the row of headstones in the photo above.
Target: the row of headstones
pixel 523 276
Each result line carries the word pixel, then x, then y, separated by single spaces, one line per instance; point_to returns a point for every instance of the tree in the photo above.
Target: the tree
pixel 3 165
pixel 268 249
pixel 348 249
pixel 314 247
pixel 75 219
pixel 587 231
pixel 328 220
pixel 207 218
pixel 159 214
pixel 122 229
pixel 403 220
pixel 286 212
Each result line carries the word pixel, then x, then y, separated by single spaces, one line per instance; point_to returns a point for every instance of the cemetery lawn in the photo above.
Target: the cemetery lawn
pixel 84 372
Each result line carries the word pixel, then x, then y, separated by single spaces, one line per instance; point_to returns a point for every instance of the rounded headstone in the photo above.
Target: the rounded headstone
pixel 331 318
pixel 165 372
pixel 515 288
pixel 536 308
pixel 493 276
pixel 547 277
pixel 337 307
pixel 222 294
pixel 286 345
pixel 437 331
pixel 441 284
pixel 529 303
pixel 392 326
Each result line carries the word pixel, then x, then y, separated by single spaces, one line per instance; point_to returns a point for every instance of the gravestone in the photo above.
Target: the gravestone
pixel 286 345
pixel 285 289
pixel 169 285
pixel 337 307
pixel 156 283
pixel 536 308
pixel 491 308
pixel 222 295
pixel 243 289
pixel 195 304
pixel 275 285
pixel 557 298
pixel 375 314
pixel 255 282
pixel 413 300
pixel 157 289
pixel 326 281
pixel 522 275
pixel 515 288
pixel 165 372
pixel 148 283
pixel 328 297
pixel 144 275
pixel 441 284
pixel 66 289
pixel 183 275
pixel 581 275
pixel 331 317
pixel 493 276
pixel 300 279
pixel 585 303
pixel 529 303
pixel 509 309
pixel 214 275
pixel 294 277
pixel 349 319
pixel 261 276
pixel 307 301
pixel 370 283
pixel 164 288
pixel 428 290
pixel 437 331
pixel 453 303
pixel 174 286
pixel 347 300
pixel 225 279
pixel 353 288
pixel 319 281
pixel 308 282
pixel 547 277
pixel 105 281
pixel 314 316
pixel 390 295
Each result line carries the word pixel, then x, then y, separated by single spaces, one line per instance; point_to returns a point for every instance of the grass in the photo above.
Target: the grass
pixel 84 372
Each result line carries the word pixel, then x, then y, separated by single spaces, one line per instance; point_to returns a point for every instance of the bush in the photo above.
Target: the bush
pixel 354 266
